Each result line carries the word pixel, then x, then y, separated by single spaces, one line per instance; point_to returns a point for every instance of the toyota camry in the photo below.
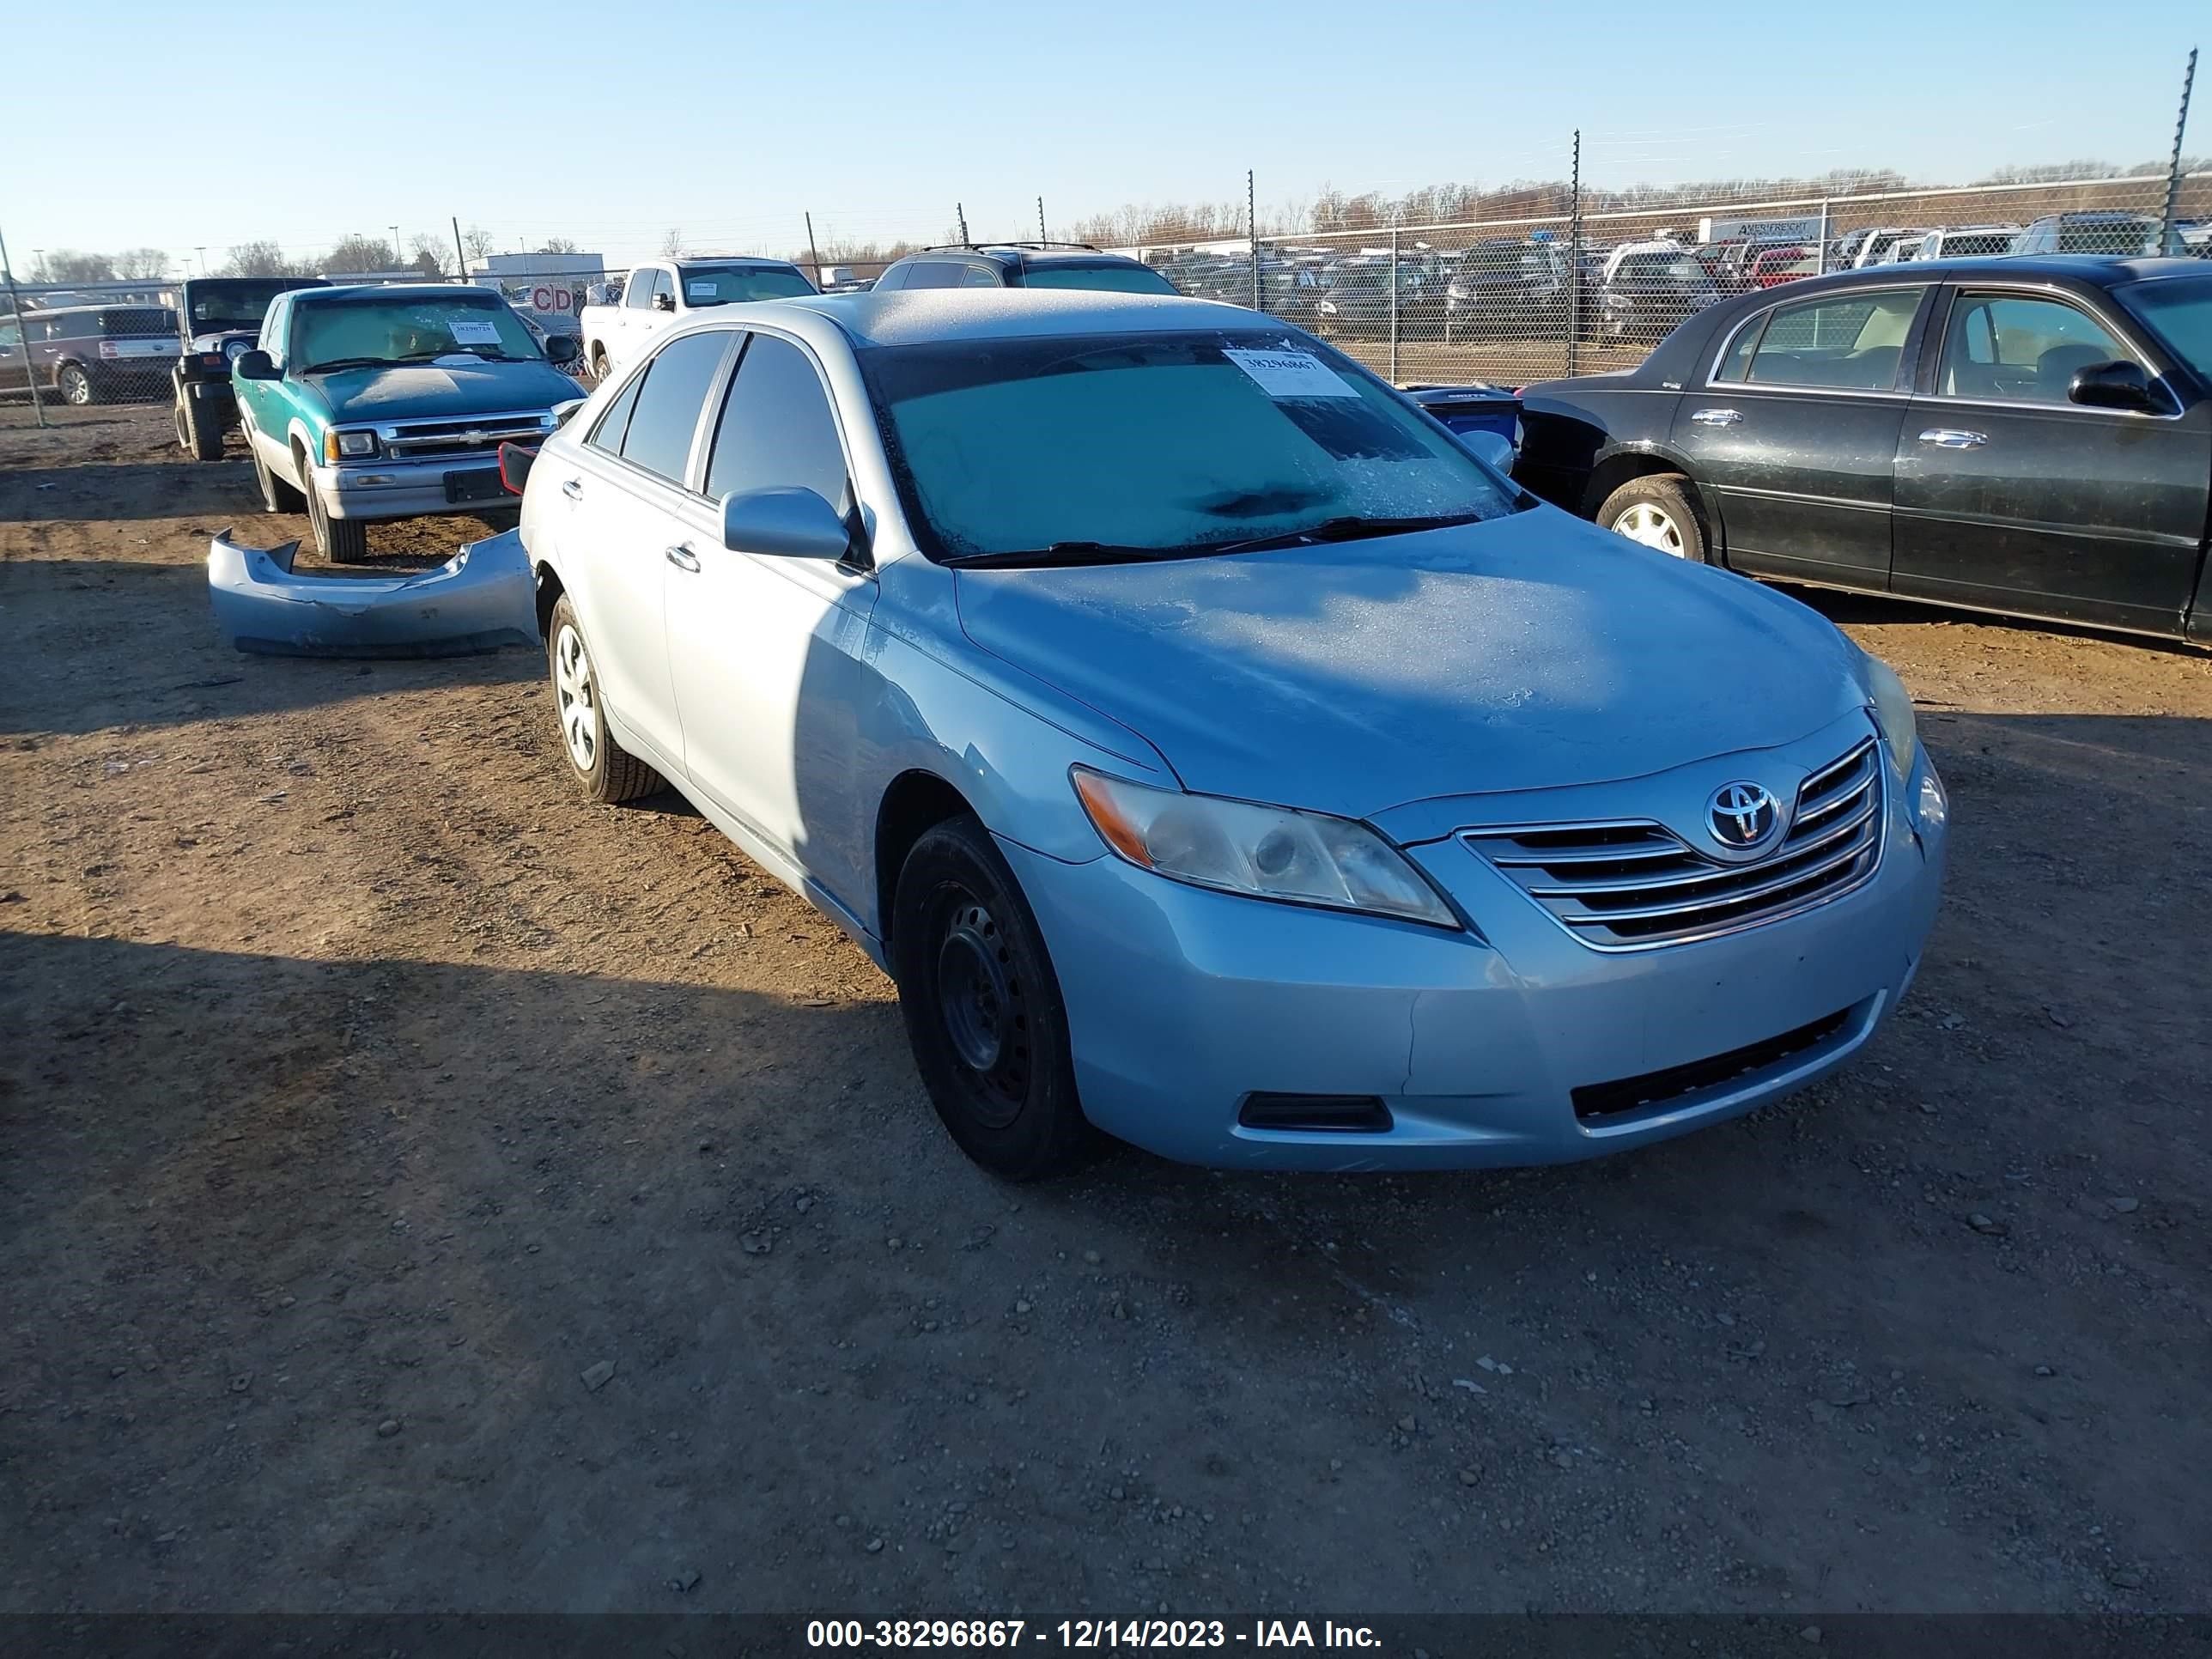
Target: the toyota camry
pixel 1217 753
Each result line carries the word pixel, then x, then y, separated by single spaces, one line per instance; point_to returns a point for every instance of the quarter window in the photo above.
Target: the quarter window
pixel 777 431
pixel 614 425
pixel 981 277
pixel 935 273
pixel 669 401
pixel 2012 348
pixel 1847 341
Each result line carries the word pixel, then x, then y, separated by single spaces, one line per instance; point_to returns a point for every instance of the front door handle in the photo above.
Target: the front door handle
pixel 682 557
pixel 1950 437
pixel 573 489
pixel 1716 417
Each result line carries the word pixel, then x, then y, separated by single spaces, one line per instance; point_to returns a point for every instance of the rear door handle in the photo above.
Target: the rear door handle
pixel 1716 417
pixel 1950 437
pixel 573 489
pixel 682 557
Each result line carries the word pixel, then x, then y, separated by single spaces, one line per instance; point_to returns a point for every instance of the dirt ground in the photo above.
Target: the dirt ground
pixel 365 1094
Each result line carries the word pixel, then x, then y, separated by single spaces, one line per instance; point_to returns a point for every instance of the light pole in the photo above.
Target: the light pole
pixel 397 259
pixel 202 256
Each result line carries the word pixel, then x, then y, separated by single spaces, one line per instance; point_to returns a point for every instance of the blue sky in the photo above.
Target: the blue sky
pixel 611 123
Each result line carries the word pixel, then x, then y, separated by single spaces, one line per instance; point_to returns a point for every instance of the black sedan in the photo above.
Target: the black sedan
pixel 2030 435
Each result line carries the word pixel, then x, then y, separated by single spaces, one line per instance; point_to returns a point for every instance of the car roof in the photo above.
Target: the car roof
pixel 2094 269
pixel 1021 254
pixel 393 291
pixel 79 311
pixel 757 261
pixel 925 316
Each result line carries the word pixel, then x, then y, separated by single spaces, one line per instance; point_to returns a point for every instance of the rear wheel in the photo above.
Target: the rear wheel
pixel 600 367
pixel 1661 511
pixel 199 430
pixel 608 772
pixel 983 1007
pixel 341 541
pixel 75 385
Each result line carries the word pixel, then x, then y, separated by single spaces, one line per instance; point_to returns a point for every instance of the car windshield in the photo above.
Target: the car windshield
pixel 2179 314
pixel 724 285
pixel 1178 443
pixel 232 305
pixel 379 328
pixel 1108 277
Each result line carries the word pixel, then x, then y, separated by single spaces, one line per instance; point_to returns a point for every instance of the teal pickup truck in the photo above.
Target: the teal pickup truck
pixel 377 403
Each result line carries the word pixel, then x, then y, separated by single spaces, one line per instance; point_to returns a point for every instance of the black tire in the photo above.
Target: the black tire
pixel 200 430
pixel 982 1007
pixel 608 772
pixel 341 541
pixel 1665 505
pixel 75 385
pixel 277 495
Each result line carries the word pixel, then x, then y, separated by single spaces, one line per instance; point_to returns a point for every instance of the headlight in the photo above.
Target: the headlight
pixel 1267 852
pixel 1893 712
pixel 347 446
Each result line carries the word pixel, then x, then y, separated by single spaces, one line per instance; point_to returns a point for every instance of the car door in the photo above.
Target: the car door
pixel 627 512
pixel 2011 497
pixel 765 650
pixel 631 327
pixel 256 399
pixel 13 372
pixel 1793 430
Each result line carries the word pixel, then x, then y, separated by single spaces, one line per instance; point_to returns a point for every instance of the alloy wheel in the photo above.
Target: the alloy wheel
pixel 1653 526
pixel 579 698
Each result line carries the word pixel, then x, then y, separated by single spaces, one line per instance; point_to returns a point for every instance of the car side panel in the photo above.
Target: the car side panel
pixel 1571 429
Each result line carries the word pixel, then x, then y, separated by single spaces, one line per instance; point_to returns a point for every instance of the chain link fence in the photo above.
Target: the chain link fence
pixel 1512 300
pixel 1506 299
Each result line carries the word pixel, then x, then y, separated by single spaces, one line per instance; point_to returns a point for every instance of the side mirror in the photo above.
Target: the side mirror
pixel 664 303
pixel 255 365
pixel 783 523
pixel 1494 448
pixel 2112 386
pixel 562 349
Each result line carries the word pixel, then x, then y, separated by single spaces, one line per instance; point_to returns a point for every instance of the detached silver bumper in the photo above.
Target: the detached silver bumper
pixel 481 599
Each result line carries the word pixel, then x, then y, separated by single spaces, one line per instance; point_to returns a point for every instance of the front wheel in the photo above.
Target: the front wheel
pixel 341 541
pixel 1661 512
pixel 608 772
pixel 983 1007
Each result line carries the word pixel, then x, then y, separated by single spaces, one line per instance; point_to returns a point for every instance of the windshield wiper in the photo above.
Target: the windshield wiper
pixel 337 363
pixel 1063 553
pixel 1343 530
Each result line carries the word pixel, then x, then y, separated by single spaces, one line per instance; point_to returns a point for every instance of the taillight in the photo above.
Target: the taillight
pixel 108 349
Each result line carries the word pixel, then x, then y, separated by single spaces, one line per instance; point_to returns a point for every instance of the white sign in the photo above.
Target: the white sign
pixel 473 330
pixel 1291 374
pixel 699 289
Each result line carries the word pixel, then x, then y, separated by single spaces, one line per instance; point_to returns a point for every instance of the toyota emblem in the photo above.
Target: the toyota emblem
pixel 1743 816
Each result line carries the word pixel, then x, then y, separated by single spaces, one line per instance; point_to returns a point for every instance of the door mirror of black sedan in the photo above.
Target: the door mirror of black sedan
pixel 255 365
pixel 783 523
pixel 2113 386
pixel 562 349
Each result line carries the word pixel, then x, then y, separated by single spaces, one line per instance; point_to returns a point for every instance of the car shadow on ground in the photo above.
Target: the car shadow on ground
pixel 1877 609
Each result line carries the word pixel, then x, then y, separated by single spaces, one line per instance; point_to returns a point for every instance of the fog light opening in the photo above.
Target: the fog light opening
pixel 1352 1115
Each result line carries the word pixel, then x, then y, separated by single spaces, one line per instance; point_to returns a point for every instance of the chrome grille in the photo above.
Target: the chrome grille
pixel 479 436
pixel 1633 885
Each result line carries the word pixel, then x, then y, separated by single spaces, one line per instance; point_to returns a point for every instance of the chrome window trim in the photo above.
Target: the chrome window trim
pixel 1763 313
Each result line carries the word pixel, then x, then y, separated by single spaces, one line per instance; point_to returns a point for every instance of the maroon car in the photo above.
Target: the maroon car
pixel 91 354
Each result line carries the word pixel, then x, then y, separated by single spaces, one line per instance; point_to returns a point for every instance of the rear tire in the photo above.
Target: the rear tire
pixel 200 430
pixel 340 541
pixel 600 367
pixel 607 772
pixel 1661 512
pixel 982 1007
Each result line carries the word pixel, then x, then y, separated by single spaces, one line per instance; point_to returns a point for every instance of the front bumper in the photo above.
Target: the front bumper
pixel 1183 1003
pixel 380 489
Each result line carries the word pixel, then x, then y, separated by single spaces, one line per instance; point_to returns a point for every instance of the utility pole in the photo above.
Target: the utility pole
pixel 23 329
pixel 398 258
pixel 1252 233
pixel 813 251
pixel 1574 253
pixel 1042 237
pixel 203 253
pixel 960 213
pixel 2173 168
pixel 460 270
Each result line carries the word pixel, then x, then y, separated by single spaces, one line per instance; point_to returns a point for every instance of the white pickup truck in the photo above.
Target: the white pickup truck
pixel 666 292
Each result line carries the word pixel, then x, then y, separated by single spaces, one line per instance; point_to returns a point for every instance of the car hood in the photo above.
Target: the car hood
pixel 429 392
pixel 1528 653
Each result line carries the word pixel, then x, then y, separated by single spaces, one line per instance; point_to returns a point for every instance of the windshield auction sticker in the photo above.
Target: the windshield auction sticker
pixel 1291 374
pixel 700 288
pixel 473 330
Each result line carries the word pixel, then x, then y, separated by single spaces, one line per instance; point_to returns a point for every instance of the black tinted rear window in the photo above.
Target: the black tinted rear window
pixel 137 321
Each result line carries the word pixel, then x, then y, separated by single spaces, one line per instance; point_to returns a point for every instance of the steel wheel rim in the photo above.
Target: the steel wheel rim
pixel 578 704
pixel 982 1010
pixel 1654 527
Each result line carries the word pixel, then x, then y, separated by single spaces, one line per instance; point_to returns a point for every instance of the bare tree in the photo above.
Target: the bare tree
pixel 66 265
pixel 134 264
pixel 557 245
pixel 262 259
pixel 479 243
pixel 361 253
pixel 429 255
pixel 672 245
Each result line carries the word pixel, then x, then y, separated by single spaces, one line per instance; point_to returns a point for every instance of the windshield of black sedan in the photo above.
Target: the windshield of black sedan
pixel 378 328
pixel 1170 443
pixel 724 285
pixel 2179 312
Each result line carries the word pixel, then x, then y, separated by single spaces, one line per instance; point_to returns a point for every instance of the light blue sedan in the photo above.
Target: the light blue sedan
pixel 1216 752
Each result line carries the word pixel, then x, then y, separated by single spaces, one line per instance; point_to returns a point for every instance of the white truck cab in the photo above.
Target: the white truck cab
pixel 664 293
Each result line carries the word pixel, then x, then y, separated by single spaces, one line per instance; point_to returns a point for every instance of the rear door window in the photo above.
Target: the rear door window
pixel 1845 342
pixel 666 415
